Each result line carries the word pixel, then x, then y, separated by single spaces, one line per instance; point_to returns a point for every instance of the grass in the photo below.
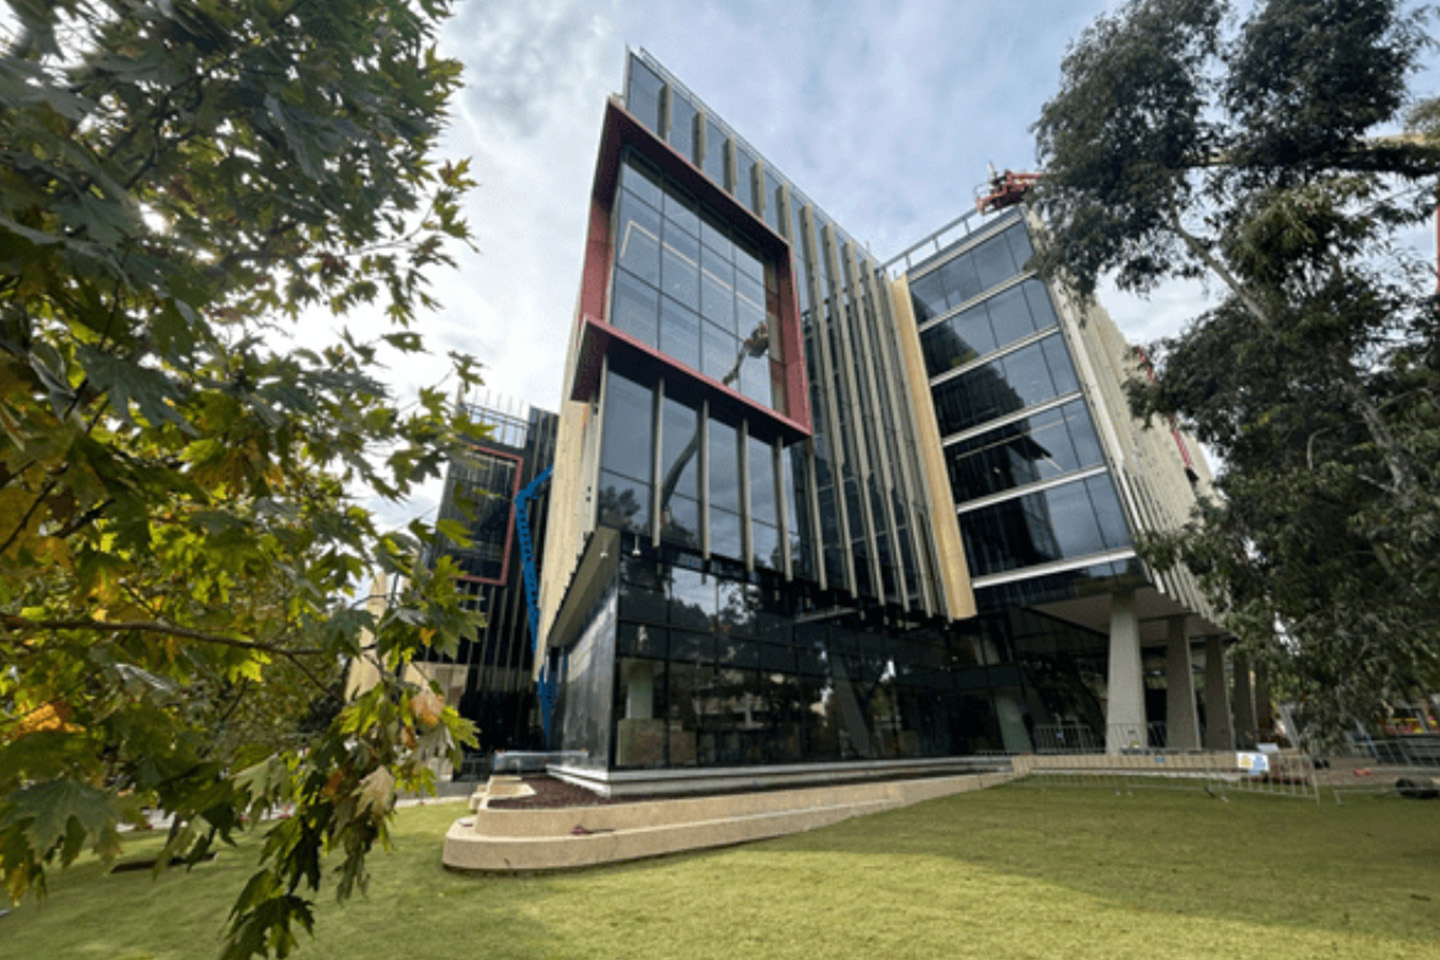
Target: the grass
pixel 1014 872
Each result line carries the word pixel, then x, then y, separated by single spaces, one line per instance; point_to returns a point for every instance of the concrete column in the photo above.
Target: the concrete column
pixel 1182 727
pixel 1219 734
pixel 1264 717
pixel 1125 686
pixel 1243 702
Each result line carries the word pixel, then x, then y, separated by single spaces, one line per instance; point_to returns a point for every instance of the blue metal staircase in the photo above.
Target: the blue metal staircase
pixel 547 685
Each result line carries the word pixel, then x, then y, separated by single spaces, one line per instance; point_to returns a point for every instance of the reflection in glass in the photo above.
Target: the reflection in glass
pixel 637 239
pixel 640 732
pixel 714 152
pixel 683 120
pixel 643 97
pixel 628 430
pixel 680 332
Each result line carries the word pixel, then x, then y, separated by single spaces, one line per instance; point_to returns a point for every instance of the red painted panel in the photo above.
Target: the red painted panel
pixel 597 336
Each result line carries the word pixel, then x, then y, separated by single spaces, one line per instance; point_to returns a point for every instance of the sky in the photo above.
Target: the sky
pixel 886 114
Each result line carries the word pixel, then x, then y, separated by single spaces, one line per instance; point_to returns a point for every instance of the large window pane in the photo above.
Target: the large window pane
pixel 725 533
pixel 717 289
pixel 724 460
pixel 993 263
pixel 714 152
pixel 718 356
pixel 680 266
pixel 762 482
pixel 1010 316
pixel 637 239
pixel 680 332
pixel 772 201
pixel 960 280
pixel 643 97
pixel 927 296
pixel 692 602
pixel 683 118
pixel 641 179
pixel 681 209
pixel 679 451
pixel 640 713
pixel 1061 369
pixel 628 435
pixel 745 178
pixel 1028 375
pixel 634 307
pixel 624 503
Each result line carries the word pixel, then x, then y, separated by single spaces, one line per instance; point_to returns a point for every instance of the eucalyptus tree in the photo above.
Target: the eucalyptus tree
pixel 1278 151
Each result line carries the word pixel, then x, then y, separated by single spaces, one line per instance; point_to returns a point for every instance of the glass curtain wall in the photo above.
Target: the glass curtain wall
pixel 1025 463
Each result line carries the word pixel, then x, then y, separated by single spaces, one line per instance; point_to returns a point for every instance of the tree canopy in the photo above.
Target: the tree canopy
pixel 1279 153
pixel 183 187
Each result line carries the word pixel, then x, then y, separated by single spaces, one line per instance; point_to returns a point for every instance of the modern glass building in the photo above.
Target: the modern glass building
pixel 490 678
pixel 815 512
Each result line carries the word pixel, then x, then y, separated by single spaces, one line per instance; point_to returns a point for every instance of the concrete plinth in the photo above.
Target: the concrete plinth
pixel 1219 734
pixel 1125 686
pixel 1182 726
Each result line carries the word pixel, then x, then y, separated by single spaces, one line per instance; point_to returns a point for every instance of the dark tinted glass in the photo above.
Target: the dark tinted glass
pixel 960 280
pixel 692 599
pixel 724 462
pixel 927 295
pixel 1028 375
pixel 765 546
pixel 680 521
pixel 1113 529
pixel 628 430
pixel 624 503
pixel 762 482
pixel 679 451
pixel 1010 316
pixel 1071 520
pixel 725 533
pixel 993 263
pixel 1061 369
pixel 1041 308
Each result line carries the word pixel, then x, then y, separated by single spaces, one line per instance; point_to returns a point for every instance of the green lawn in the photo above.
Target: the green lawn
pixel 1006 873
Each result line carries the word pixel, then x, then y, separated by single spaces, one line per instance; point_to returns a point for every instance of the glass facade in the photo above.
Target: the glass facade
pixel 488 677
pixel 694 288
pixel 708 671
pixel 776 598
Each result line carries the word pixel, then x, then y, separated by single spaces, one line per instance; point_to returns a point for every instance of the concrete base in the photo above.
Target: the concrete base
pixel 553 839
pixel 639 783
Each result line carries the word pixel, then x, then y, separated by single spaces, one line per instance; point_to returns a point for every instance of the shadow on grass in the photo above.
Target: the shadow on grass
pixel 1371 866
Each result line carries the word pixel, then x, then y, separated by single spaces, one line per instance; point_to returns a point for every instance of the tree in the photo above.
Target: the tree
pixel 1265 153
pixel 183 186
